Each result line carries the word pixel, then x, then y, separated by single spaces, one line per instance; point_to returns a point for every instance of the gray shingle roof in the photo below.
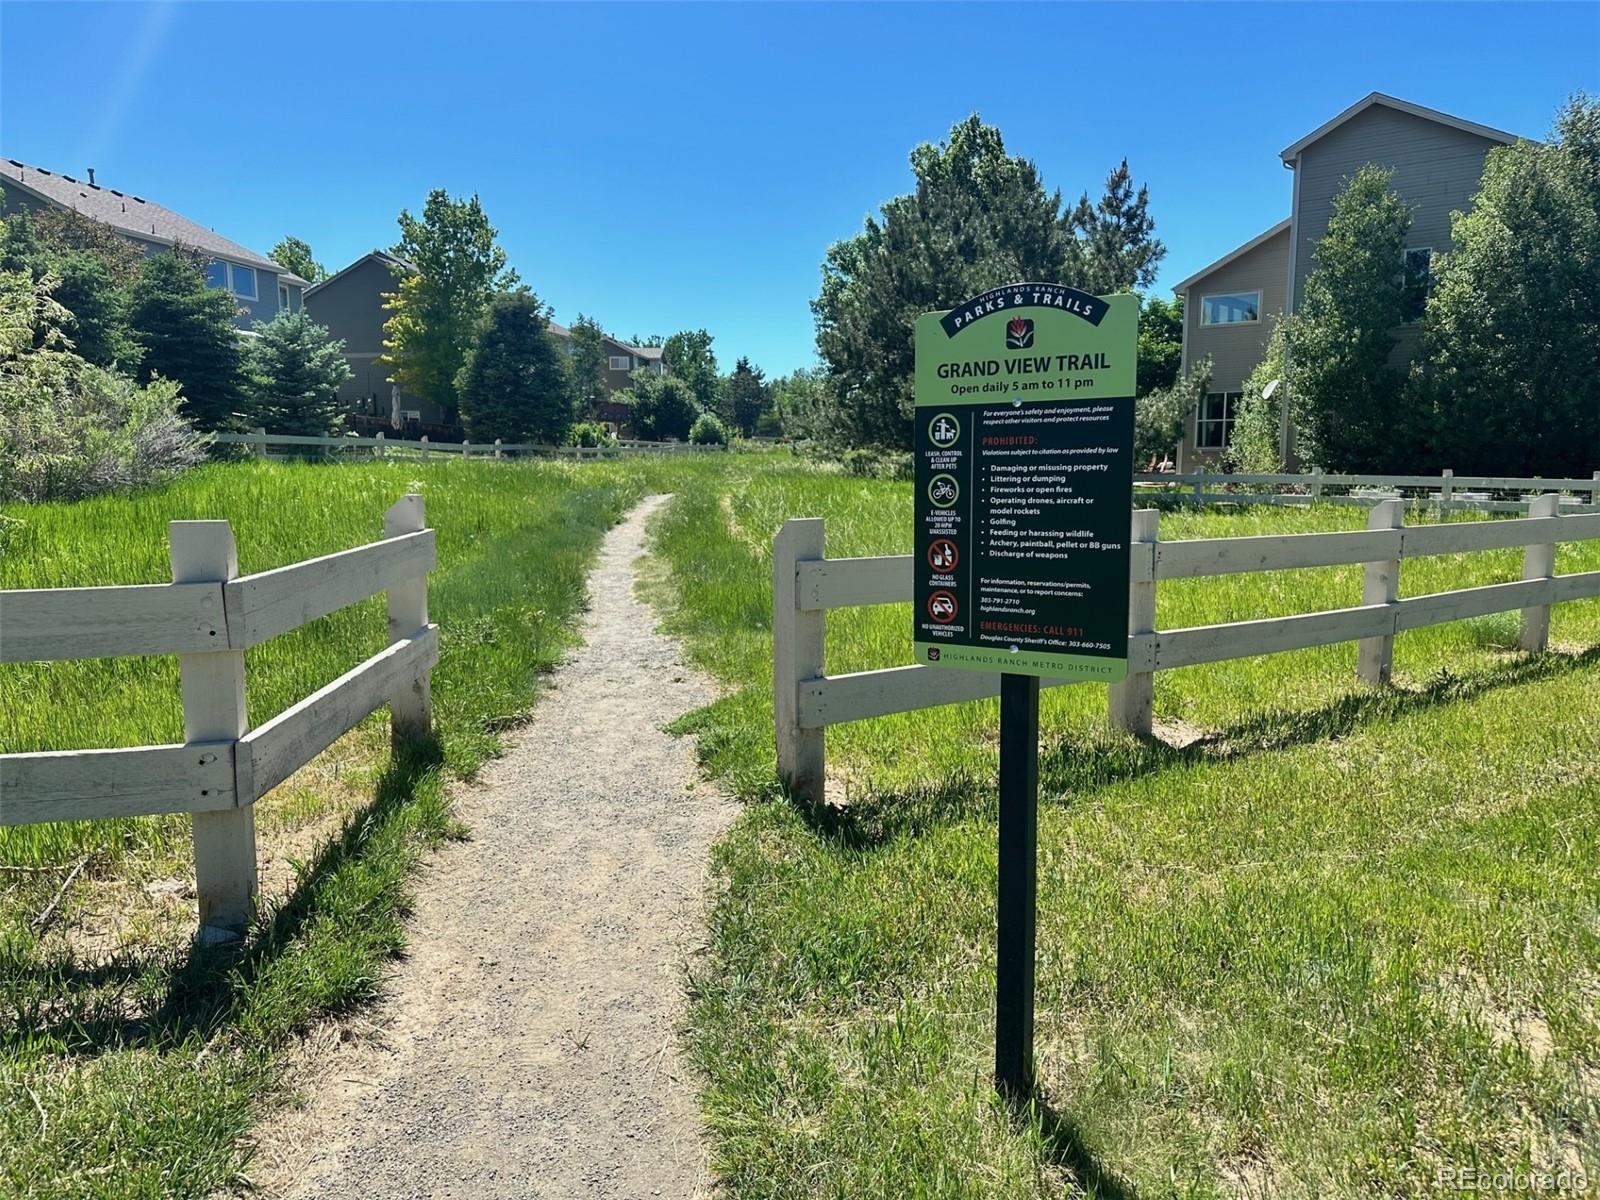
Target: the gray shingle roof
pixel 133 215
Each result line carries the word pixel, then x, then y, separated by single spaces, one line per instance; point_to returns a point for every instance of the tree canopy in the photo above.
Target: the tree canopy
pixel 515 383
pixel 588 361
pixel 977 218
pixel 436 309
pixel 663 406
pixel 1160 342
pixel 690 357
pixel 294 255
pixel 745 396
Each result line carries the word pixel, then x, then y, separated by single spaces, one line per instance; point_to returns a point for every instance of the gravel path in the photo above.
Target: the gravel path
pixel 527 1045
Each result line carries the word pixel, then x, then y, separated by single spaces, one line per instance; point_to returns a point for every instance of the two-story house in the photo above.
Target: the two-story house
pixel 260 287
pixel 350 303
pixel 1229 306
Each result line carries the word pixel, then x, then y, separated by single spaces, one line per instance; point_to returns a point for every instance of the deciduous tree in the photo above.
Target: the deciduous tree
pixel 295 255
pixel 745 396
pixel 436 309
pixel 663 406
pixel 690 357
pixel 1160 342
pixel 588 363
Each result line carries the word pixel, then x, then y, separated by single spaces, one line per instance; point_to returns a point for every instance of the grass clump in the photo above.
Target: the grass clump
pixel 1321 940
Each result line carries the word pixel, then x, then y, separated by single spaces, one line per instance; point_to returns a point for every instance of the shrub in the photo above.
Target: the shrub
pixel 769 424
pixel 709 430
pixel 663 406
pixel 69 428
pixel 1158 416
pixel 590 433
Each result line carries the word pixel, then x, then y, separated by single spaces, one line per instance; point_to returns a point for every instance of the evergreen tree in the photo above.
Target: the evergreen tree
pixel 186 333
pixel 89 277
pixel 515 383
pixel 1514 321
pixel 977 218
pixel 745 396
pixel 588 363
pixel 1343 394
pixel 294 255
pixel 436 310
pixel 296 369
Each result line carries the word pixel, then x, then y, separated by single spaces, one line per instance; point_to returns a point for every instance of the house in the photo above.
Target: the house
pixel 261 287
pixel 350 303
pixel 1229 306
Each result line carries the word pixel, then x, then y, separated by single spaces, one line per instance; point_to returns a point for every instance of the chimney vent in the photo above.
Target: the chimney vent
pixel 91 177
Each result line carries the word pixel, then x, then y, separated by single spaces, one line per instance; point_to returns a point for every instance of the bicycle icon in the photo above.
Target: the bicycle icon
pixel 944 491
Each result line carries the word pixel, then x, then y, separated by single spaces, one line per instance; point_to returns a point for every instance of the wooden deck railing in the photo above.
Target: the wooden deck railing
pixel 806 584
pixel 208 616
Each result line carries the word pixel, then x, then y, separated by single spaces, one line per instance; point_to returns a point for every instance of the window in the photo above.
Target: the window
pixel 1213 423
pixel 621 362
pixel 242 281
pixel 1234 308
pixel 1418 283
pixel 216 274
pixel 283 297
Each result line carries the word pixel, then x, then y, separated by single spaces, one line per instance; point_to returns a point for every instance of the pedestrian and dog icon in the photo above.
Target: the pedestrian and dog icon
pixel 942 607
pixel 943 555
pixel 943 491
pixel 944 431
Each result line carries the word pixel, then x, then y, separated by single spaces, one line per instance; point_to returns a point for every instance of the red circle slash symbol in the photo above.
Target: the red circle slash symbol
pixel 942 607
pixel 943 555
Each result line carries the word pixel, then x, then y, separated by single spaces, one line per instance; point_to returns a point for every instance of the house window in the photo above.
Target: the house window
pixel 621 362
pixel 1234 308
pixel 1418 283
pixel 216 274
pixel 1213 423
pixel 283 297
pixel 242 281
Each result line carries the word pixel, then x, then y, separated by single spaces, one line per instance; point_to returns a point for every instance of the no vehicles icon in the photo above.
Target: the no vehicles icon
pixel 942 607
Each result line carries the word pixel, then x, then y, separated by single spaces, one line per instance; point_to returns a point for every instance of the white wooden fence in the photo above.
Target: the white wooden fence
pixel 380 446
pixel 208 616
pixel 806 584
pixel 1446 491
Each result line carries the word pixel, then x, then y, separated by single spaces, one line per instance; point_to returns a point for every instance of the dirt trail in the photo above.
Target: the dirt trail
pixel 527 1045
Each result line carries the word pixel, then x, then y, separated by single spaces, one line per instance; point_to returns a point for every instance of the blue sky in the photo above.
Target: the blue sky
pixel 666 166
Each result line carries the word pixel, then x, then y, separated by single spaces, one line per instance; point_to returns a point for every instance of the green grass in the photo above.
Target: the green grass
pixel 131 1065
pixel 1343 938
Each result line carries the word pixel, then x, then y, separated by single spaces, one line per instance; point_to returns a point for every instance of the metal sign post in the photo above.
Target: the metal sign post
pixel 1024 487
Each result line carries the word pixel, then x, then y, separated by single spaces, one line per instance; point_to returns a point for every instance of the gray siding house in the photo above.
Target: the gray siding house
pixel 1229 306
pixel 350 303
pixel 261 288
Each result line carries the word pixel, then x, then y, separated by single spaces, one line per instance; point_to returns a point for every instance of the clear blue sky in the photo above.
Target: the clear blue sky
pixel 666 166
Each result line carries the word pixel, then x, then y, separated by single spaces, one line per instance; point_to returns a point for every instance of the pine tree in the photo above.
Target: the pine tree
pixel 745 396
pixel 588 363
pixel 296 369
pixel 186 333
pixel 1118 249
pixel 515 384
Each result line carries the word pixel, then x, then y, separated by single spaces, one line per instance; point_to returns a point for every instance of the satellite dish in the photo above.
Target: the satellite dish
pixel 1271 390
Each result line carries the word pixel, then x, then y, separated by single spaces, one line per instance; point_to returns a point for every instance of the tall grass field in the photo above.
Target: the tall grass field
pixel 1320 940
pixel 129 1065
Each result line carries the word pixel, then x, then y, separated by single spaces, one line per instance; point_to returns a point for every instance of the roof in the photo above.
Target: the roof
pixel 1281 227
pixel 132 215
pixel 1405 106
pixel 383 256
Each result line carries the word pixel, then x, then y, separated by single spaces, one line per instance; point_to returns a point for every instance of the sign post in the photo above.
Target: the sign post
pixel 1024 488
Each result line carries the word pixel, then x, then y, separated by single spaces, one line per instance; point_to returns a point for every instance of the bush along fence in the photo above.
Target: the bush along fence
pixel 806 584
pixel 1446 491
pixel 380 446
pixel 208 616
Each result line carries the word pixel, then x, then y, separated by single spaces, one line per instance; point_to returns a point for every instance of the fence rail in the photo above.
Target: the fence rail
pixel 807 584
pixel 381 446
pixel 208 616
pixel 1447 491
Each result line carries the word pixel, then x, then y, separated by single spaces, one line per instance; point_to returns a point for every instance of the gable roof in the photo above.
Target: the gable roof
pixel 1281 227
pixel 133 215
pixel 382 256
pixel 1405 106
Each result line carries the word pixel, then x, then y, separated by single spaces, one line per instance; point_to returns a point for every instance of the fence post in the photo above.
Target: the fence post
pixel 1129 704
pixel 411 707
pixel 1447 487
pixel 1381 585
pixel 466 449
pixel 796 655
pixel 261 446
pixel 214 711
pixel 1539 562
pixel 377 451
pixel 425 451
pixel 1594 492
pixel 497 445
pixel 1316 485
pixel 1199 495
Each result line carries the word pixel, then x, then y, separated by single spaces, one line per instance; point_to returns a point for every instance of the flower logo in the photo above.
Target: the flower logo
pixel 1019 334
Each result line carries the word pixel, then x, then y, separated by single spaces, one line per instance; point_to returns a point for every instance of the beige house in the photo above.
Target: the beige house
pixel 1229 306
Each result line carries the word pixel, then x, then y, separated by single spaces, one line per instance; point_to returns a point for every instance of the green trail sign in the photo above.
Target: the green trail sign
pixel 1024 482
